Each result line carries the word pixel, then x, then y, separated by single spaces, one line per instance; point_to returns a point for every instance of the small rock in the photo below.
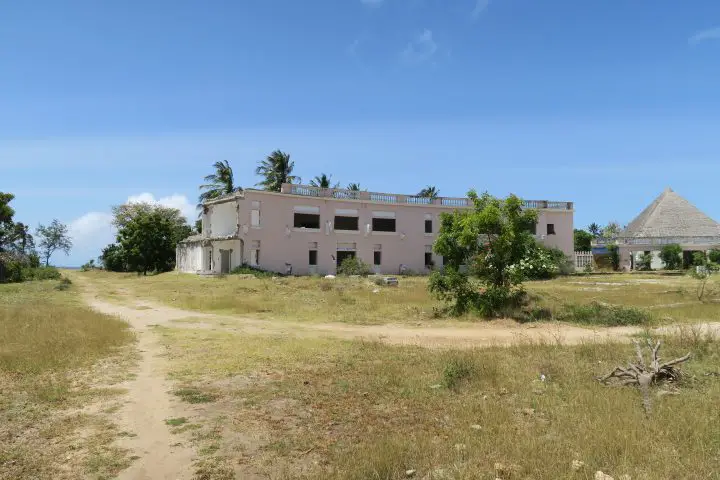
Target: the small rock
pixel 436 386
pixel 577 465
pixel 542 377
pixel 625 477
pixel 410 473
pixel 503 391
pixel 377 290
pixel 476 427
pixel 330 277
pixel 528 411
pixel 599 475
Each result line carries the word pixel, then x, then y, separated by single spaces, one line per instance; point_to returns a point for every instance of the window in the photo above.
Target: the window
pixel 346 223
pixel 255 253
pixel 428 259
pixel 312 258
pixel 428 226
pixel 307 220
pixel 377 257
pixel 255 218
pixel 383 224
pixel 551 229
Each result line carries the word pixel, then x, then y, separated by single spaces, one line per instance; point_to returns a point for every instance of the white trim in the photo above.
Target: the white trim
pixel 383 214
pixel 346 212
pixel 347 232
pixel 384 233
pixel 306 209
pixel 307 230
pixel 429 234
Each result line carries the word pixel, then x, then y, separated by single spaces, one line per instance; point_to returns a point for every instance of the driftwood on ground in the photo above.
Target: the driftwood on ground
pixel 643 375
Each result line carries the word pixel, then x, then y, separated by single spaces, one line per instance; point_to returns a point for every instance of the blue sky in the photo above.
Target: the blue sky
pixel 604 103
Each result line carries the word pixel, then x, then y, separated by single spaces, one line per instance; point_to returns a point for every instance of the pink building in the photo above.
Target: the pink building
pixel 308 230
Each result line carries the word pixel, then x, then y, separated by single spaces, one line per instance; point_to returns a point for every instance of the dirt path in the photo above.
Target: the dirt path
pixel 162 455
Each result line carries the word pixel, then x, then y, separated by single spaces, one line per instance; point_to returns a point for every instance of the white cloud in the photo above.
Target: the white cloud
pixel 93 231
pixel 703 35
pixel 420 49
pixel 480 6
pixel 372 3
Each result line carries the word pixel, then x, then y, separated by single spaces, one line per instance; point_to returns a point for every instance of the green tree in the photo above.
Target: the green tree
pixel 113 258
pixel 355 187
pixel 219 183
pixel 276 169
pixel 7 227
pixel 583 240
pixel 198 225
pixel 491 239
pixel 671 255
pixel 594 229
pixel 429 192
pixel 53 237
pixel 323 181
pixel 148 235
pixel 611 231
pixel 645 261
pixel 614 253
pixel 714 255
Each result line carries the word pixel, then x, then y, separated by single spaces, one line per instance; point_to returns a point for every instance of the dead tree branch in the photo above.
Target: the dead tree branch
pixel 645 375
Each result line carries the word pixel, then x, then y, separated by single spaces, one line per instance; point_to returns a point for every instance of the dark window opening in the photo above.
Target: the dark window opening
pixel 533 229
pixel 343 255
pixel 307 220
pixel 377 258
pixel 312 260
pixel 383 224
pixel 551 229
pixel 428 226
pixel 428 259
pixel 346 223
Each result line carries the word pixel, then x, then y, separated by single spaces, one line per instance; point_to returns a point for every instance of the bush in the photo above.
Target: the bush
pixel 353 266
pixel 88 266
pixel 645 261
pixel 42 273
pixel 19 270
pixel 457 369
pixel 699 259
pixel 671 255
pixel 614 254
pixel 64 284
pixel 714 255
pixel 596 313
pixel 248 270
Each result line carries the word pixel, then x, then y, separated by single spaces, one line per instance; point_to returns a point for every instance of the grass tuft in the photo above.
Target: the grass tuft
pixel 193 395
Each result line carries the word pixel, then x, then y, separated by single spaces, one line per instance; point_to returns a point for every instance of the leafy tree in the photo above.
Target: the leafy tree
pixel 219 183
pixel 614 252
pixel 594 229
pixel 671 255
pixel 198 225
pixel 714 255
pixel 703 273
pixel 276 169
pixel 355 187
pixel 699 259
pixel 148 235
pixel 113 258
pixel 583 240
pixel 645 261
pixel 491 239
pixel 53 237
pixel 611 231
pixel 323 181
pixel 7 229
pixel 429 192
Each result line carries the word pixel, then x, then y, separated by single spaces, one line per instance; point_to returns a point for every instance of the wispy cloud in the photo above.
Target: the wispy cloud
pixel 372 3
pixel 421 49
pixel 703 35
pixel 480 7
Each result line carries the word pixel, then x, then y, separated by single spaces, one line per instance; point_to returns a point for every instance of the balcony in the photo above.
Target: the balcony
pixel 397 199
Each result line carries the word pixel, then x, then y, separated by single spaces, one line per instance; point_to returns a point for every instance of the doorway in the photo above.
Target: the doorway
pixel 342 255
pixel 225 261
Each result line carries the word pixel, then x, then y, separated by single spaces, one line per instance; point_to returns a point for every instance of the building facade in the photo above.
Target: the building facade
pixel 669 219
pixel 308 230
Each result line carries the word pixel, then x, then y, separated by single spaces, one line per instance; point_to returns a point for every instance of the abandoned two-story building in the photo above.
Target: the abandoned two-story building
pixel 308 230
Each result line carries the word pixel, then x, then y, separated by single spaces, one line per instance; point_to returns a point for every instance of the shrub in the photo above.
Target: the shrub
pixel 596 313
pixel 90 265
pixel 614 254
pixel 714 255
pixel 64 284
pixel 457 369
pixel 248 270
pixel 353 266
pixel 43 273
pixel 699 259
pixel 645 261
pixel 671 255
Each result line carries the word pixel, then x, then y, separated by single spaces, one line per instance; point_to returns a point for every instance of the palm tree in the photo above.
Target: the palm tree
pixel 595 229
pixel 354 187
pixel 323 181
pixel 276 170
pixel 219 183
pixel 429 192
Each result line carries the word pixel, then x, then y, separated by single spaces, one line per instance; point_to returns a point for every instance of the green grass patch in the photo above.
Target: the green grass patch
pixel 193 395
pixel 596 313
pixel 176 422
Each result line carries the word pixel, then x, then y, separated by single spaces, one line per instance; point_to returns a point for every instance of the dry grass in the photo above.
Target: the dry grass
pixel 51 360
pixel 670 299
pixel 331 409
